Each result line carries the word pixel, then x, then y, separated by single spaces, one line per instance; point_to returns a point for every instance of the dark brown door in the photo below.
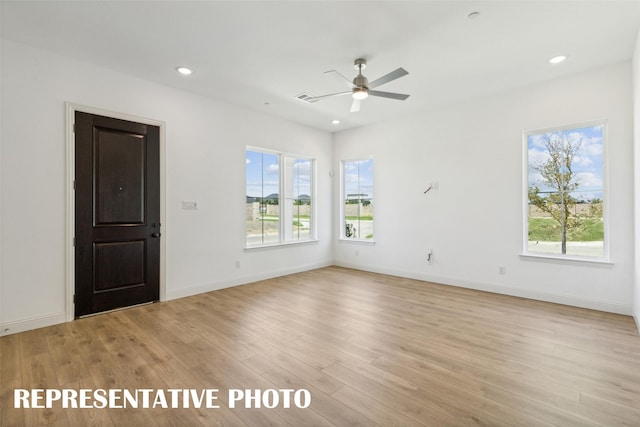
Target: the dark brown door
pixel 117 213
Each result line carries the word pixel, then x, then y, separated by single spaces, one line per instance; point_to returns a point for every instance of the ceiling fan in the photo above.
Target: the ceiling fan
pixel 361 88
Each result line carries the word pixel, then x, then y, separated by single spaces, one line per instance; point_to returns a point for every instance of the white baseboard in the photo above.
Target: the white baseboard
pixel 17 326
pixel 214 286
pixel 14 327
pixel 636 317
pixel 24 325
pixel 504 290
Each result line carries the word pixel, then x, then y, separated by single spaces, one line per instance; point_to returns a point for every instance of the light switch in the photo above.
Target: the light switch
pixel 189 205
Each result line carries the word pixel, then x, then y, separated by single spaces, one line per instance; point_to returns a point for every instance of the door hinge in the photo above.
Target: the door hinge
pixel 74 184
pixel 74 298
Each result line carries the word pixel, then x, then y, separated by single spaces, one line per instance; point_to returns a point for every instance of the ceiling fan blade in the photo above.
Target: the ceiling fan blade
pixel 391 95
pixel 355 107
pixel 388 77
pixel 332 94
pixel 344 79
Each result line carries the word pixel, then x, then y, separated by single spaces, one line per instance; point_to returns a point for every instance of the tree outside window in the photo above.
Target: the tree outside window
pixel 565 191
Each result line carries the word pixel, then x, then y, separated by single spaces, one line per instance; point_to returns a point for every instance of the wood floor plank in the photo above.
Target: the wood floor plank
pixel 10 357
pixel 216 378
pixel 371 349
pixel 430 403
pixel 621 413
pixel 325 405
pixel 9 415
pixel 38 370
pixel 92 417
pixel 178 376
pixel 375 409
pixel 313 376
pixel 34 342
pixel 64 353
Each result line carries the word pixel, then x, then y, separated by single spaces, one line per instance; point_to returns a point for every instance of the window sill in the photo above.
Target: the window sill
pixel 357 241
pixel 281 244
pixel 596 262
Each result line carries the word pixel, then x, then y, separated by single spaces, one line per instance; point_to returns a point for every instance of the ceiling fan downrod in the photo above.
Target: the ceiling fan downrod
pixel 361 89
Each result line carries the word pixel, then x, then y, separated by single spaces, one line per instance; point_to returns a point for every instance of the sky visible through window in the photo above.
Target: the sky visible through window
pixel 301 179
pixel 587 164
pixel 263 173
pixel 358 178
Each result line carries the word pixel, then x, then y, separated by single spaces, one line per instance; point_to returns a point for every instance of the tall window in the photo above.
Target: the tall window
pixel 565 191
pixel 272 218
pixel 357 192
pixel 297 193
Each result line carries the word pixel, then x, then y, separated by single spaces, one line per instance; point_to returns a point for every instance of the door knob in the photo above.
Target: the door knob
pixel 155 235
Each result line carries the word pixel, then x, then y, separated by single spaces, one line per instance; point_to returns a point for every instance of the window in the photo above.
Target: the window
pixel 270 218
pixel 297 193
pixel 565 191
pixel 357 192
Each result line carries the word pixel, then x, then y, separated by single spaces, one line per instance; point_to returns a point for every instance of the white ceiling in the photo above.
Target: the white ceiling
pixel 261 54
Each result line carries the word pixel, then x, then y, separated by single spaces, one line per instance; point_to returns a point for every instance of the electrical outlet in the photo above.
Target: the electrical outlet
pixel 237 264
pixel 357 252
pixel 502 269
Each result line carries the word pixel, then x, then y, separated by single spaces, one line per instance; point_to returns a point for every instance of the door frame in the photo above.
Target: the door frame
pixel 70 276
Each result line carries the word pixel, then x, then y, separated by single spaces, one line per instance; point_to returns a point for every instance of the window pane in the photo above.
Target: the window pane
pixel 297 199
pixel 263 184
pixel 358 199
pixel 272 217
pixel 565 192
pixel 301 199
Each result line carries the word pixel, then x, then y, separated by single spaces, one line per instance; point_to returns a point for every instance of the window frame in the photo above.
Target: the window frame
pixel 604 258
pixel 342 229
pixel 283 175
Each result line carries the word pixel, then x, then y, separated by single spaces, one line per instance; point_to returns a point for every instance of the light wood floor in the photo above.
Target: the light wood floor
pixel 371 349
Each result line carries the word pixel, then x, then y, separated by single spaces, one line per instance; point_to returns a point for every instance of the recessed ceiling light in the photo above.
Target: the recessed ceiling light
pixel 557 59
pixel 335 121
pixel 184 71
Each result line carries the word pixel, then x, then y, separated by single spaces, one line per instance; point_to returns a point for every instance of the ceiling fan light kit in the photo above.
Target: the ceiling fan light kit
pixel 361 88
pixel 360 93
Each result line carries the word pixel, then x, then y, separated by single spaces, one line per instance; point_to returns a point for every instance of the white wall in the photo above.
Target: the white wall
pixel 205 159
pixel 636 156
pixel 473 222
